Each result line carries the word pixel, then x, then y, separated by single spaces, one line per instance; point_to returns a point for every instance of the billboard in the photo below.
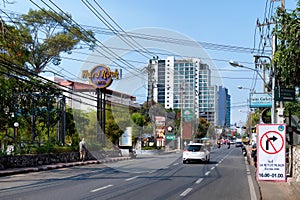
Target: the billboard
pixel 260 100
pixel 126 138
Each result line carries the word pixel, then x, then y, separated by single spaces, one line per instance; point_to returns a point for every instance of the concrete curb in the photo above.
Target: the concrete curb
pixel 251 163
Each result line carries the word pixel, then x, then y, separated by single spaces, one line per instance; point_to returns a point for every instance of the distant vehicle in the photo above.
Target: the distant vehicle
pixel 238 144
pixel 196 152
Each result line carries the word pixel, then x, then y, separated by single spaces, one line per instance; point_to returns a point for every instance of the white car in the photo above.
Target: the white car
pixel 196 152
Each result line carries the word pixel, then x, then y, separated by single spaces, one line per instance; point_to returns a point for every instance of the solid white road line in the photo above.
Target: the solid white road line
pixel 186 192
pixel 129 179
pixel 102 188
pixel 250 182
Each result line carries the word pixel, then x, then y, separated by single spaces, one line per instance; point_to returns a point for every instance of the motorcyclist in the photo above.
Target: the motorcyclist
pixel 219 143
pixel 254 154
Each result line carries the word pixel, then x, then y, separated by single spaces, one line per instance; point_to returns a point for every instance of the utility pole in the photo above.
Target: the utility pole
pixel 273 67
pixel 150 76
pixel 151 81
pixel 181 115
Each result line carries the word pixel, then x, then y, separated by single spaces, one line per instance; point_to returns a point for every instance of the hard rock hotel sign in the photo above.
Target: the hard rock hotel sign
pixel 100 76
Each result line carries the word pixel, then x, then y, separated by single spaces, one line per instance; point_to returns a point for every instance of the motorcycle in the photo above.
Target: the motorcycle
pixel 253 154
pixel 244 151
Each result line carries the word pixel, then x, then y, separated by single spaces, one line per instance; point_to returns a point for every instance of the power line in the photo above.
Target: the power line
pixel 134 44
pixel 104 49
pixel 206 45
pixel 23 72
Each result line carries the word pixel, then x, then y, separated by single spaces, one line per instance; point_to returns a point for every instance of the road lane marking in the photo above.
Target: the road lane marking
pixel 186 192
pixel 102 188
pixel 207 173
pixel 163 168
pixel 212 168
pixel 129 179
pixel 175 164
pixel 250 182
pixel 199 180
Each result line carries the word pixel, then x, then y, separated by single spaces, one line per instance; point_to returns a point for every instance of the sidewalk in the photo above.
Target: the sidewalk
pixel 272 190
pixel 12 171
pixel 279 190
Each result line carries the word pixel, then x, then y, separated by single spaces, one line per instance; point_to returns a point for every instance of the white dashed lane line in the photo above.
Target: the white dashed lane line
pixel 129 179
pixel 101 188
pixel 199 181
pixel 186 192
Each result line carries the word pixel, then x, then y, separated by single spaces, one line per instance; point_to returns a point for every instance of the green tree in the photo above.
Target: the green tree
pixel 29 45
pixel 292 108
pixel 139 122
pixel 116 123
pixel 13 46
pixel 50 34
pixel 287 56
pixel 202 128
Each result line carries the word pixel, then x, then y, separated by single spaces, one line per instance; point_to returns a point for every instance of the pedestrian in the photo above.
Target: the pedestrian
pixel 82 149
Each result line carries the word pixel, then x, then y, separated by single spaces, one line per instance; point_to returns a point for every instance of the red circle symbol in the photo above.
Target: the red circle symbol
pixel 268 145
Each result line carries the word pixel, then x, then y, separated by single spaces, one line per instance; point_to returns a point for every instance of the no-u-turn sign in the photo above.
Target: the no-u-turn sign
pixel 271 162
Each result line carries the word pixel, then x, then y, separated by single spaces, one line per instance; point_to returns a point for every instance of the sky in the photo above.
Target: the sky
pixel 225 30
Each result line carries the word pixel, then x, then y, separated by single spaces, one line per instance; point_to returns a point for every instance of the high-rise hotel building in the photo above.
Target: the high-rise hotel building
pixel 186 84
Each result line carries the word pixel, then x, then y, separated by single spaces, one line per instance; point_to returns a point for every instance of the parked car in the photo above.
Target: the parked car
pixel 196 152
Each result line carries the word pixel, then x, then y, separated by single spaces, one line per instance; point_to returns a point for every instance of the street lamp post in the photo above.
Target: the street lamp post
pixel 16 125
pixel 236 64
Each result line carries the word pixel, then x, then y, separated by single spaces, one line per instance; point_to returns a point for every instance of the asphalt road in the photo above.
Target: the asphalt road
pixel 149 177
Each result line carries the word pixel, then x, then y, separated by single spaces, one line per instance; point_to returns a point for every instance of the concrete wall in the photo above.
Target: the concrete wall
pixel 46 159
pixel 296 163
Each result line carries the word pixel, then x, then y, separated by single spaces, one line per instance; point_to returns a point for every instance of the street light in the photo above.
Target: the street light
pixel 236 64
pixel 245 88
